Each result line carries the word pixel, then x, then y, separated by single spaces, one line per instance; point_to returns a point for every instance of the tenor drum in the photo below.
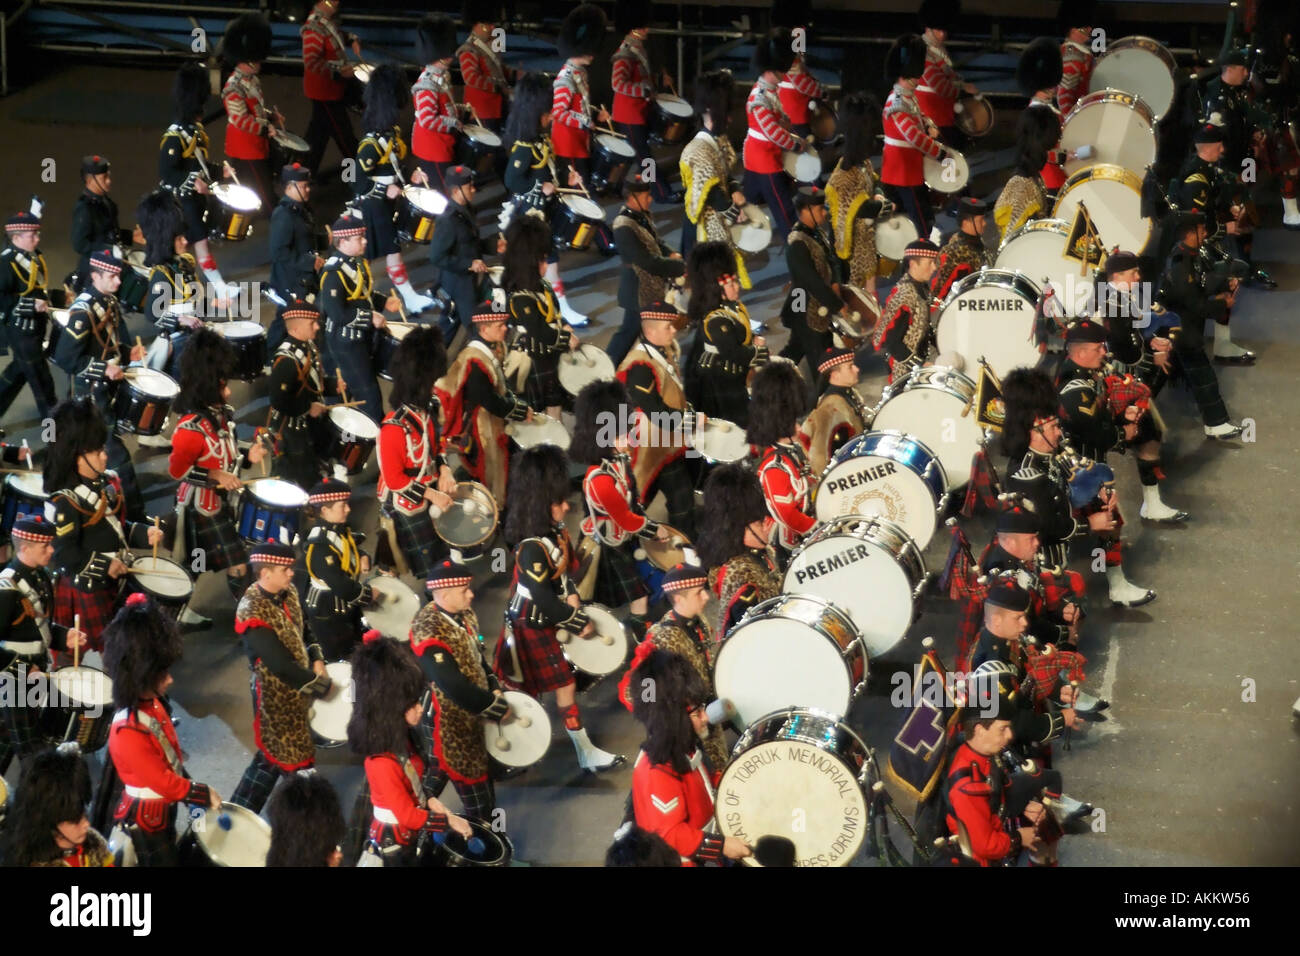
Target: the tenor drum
pixel 893 234
pixel 249 342
pixel 791 650
pixel 823 123
pixel 975 115
pixel 610 158
pixel 604 651
pixel 1117 127
pixel 864 315
pixel 935 405
pixel 798 764
pixel 478 149
pixel 291 148
pixel 522 738
pixel 393 617
pixel 330 714
pixel 363 71
pixel 231 216
pixel 575 222
pixel 1141 66
pixel 24 497
pixel 353 436
pixel 670 119
pixel 948 174
pixel 134 288
pixel 79 707
pixel 721 441
pixel 419 209
pixel 208 843
pixel 885 473
pixel 471 520
pixel 990 314
pixel 270 511
pixel 171 586
pixel 803 167
pixel 542 430
pixel 493 848
pixel 753 233
pixel 584 365
pixel 386 343
pixel 870 568
pixel 1112 196
pixel 143 401
pixel 1038 251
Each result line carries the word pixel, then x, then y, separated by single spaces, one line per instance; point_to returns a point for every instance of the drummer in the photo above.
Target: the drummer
pixel 840 415
pixel 633 83
pixel 649 265
pixel 465 693
pixel 487 78
pixel 964 252
pixel 47 825
pixel 294 259
pixel 249 123
pixel 206 460
pixel 1077 60
pixel 783 469
pixel 770 134
pixel 1038 72
pixel 307 825
pixel 909 135
pixel 27 633
pixel 543 598
pixel 437 126
pixel 335 564
pixel 457 250
pixel 325 75
pixel 941 85
pixel 652 375
pixel 814 281
pixel 174 303
pixel 298 411
pixel 581 36
pixel 798 86
pixel 735 543
pixel 905 332
pixel 478 402
pixel 708 168
pixel 853 194
pixel 1024 196
pixel 24 314
pixel 725 347
pixel 89 551
pixel 94 218
pixel 379 179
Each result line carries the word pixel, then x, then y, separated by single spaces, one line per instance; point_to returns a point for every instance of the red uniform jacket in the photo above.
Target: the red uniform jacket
pixel 201 442
pixel 632 82
pixel 393 795
pixel 972 801
pixel 787 487
pixel 410 457
pixel 769 130
pixel 147 755
pixel 247 130
pixel 1077 62
pixel 907 142
pixel 481 69
pixel 677 807
pixel 433 138
pixel 570 101
pixel 322 57
pixel 613 516
pixel 939 87
pixel 796 89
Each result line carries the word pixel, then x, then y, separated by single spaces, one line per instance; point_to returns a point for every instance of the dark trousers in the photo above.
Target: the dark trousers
pixel 28 367
pixel 329 120
pixel 688 237
pixel 257 783
pixel 303 452
pixel 679 493
pixel 19 734
pixel 638 137
pixel 354 358
pixel 463 290
pixel 437 173
pixel 775 190
pixel 1201 379
pixel 256 175
pixel 914 201
pixel 479 799
pixel 625 337
pixel 806 342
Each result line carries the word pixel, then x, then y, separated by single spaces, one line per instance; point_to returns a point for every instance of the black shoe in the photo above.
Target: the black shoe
pixel 1246 357
pixel 618 761
pixel 1263 279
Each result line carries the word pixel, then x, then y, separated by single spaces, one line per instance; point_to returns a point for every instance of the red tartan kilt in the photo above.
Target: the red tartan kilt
pixel 1279 154
pixel 541 659
pixel 95 607
pixel 1121 394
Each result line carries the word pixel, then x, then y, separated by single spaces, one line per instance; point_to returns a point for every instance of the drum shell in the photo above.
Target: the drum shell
pixel 415 223
pixel 823 122
pixel 572 228
pixel 140 412
pixel 350 448
pixel 667 127
pixel 261 519
pixel 20 502
pixel 386 343
pixel 134 289
pixel 66 719
pixel 250 349
pixel 227 221
pixel 609 162
pixel 957 393
pixel 917 466
pixel 476 151
pixel 453 851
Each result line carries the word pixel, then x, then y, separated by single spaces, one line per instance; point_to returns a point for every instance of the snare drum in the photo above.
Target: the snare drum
pixel 470 521
pixel 864 315
pixel 721 441
pixel 791 650
pixel 870 568
pixel 1113 197
pixel 670 119
pixel 576 219
pixel 79 707
pixel 270 511
pixel 291 148
pixel 935 405
pixel 803 167
pixel 231 216
pixel 823 123
pixel 1118 127
pixel 948 174
pixel 975 115
pixel 584 365
pixel 521 739
pixel 249 342
pixel 24 497
pixel 134 289
pixel 420 208
pixel 353 437
pixel 362 71
pixel 798 763
pixel 610 158
pixel 330 714
pixel 172 588
pixel 604 651
pixel 885 473
pixel 208 843
pixel 1141 66
pixel 478 149
pixel 1037 250
pixel 753 233
pixel 393 617
pixel 454 849
pixel 893 234
pixel 990 313
pixel 143 401
pixel 542 430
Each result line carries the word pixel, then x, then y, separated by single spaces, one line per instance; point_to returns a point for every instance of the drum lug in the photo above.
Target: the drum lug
pixel 920 587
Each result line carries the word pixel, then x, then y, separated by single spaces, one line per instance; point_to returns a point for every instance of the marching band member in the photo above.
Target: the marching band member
pixel 653 379
pixel 853 195
pixel 1038 71
pixel 379 180
pixel 294 259
pixel 615 516
pixel 770 134
pixel 297 417
pixel 477 400
pixel 457 250
pixel 336 595
pixel 94 218
pixel 734 543
pixel 465 693
pixel 964 251
pixel 840 414
pixel 173 284
pixel 1032 435
pixel 1128 319
pixel 47 825
pixel 684 632
pixel 388 688
pixel 1024 196
pixel 725 347
pixel 798 86
pixel 24 314
pixel 580 39
pixel 91 351
pixel 783 470
pixel 249 123
pixel 307 823
pixel 1077 60
pixel 814 281
pixel 183 165
pixel 672 785
pixel 487 78
pixel 141 647
pixel 633 83
pixel 909 136
pixel 27 632
pixel 543 598
pixel 649 265
pixel 286 675
pixel 534 307
pixel 1274 39
pixel 904 331
pixel 707 165
pixel 325 74
pixel 437 123
pixel 941 86
pixel 415 483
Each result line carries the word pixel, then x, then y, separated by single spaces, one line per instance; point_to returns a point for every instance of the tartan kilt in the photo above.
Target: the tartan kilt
pixel 96 608
pixel 618 579
pixel 541 659
pixel 420 544
pixel 542 386
pixel 216 536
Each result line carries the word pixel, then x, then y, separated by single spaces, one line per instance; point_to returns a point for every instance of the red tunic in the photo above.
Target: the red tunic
pixel 787 488
pixel 632 83
pixel 322 55
pixel 393 798
pixel 907 142
pixel 677 807
pixel 151 776
pixel 433 137
pixel 1077 62
pixel 769 133
pixel 609 496
pixel 971 800
pixel 409 449
pixel 939 87
pixel 796 89
pixel 477 63
pixel 247 132
pixel 570 101
pixel 199 443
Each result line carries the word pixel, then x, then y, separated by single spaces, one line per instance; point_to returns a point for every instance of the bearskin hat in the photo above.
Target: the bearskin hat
pixel 306 821
pixel 713 95
pixel 1037 131
pixel 140 645
pixel 905 59
pixel 597 407
pixel 791 13
pixel 777 404
pixel 476 11
pixel 859 119
pixel 939 14
pixel 386 683
pixel 539 477
pixel 78 428
pixel 662 687
pixel 1076 13
pixel 528 242
pixel 531 98
pixel 774 51
pixel 633 846
pixel 161 220
pixel 435 37
pixel 583 31
pixel 1028 394
pixel 54 789
pixel 385 96
pixel 420 360
pixel 190 92
pixel 632 15
pixel 709 262
pixel 1039 67
pixel 247 39
pixel 208 360
pixel 733 499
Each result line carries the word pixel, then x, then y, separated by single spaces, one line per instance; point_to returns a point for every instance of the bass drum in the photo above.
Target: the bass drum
pixel 1038 251
pixel 893 234
pixel 990 314
pixel 935 406
pixel 752 233
pixel 1141 66
pixel 885 473
pixel 1117 127
pixel 804 764
pixel 867 566
pixel 1112 196
pixel 791 649
pixel 948 174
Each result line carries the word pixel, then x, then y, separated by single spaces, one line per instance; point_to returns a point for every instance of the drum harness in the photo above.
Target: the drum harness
pixel 356 329
pixel 96 506
pixel 196 146
pixel 25 317
pixel 349 562
pixel 34 608
pixel 712 358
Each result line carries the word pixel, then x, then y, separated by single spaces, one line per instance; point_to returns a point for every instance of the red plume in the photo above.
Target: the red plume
pixel 370 635
pixel 137 599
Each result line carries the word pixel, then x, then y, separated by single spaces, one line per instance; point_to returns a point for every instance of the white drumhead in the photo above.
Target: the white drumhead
pixel 722 441
pixel 352 422
pixel 805 167
pixel 616 145
pixel 934 416
pixel 398 332
pixel 582 366
pixel 674 105
pixel 246 843
pixel 1117 132
pixel 393 618
pixel 31 484
pixel 754 232
pixel 481 134
pixel 362 71
pixel 240 330
pixel 542 430
pixel 524 745
pixel 237 197
pixel 767 663
pixel 863 580
pixel 330 714
pixel 292 141
pixel 877 486
pixel 893 235
pixel 1139 72
pixel 429 201
pixel 175 582
pixel 154 383
pixel 1037 251
pixel 1113 199
pixel 947 174
pixel 84 685
pixel 592 654
pixel 277 493
pixel 990 320
pixel 584 207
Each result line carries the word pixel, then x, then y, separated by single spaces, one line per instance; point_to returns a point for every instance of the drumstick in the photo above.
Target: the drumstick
pixel 342 391
pixel 139 343
pixel 352 404
pixel 160 572
pixel 27 458
pixel 155 543
pixel 257 437
pixel 76 648
pixel 392 294
pixel 501 743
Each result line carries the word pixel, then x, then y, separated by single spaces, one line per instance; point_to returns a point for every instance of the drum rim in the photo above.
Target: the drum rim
pixel 480 830
pixel 320 739
pixel 242 813
pixel 137 383
pixel 344 412
pixel 575 203
pixel 892 527
pixel 228 329
pixel 16 480
pixel 513 697
pixel 404 591
pixel 482 493
pixel 1112 95
pixel 162 564
pixel 252 488
pixel 615 144
pixel 899 433
pixel 103 680
pixel 1006 278
pixel 227 191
